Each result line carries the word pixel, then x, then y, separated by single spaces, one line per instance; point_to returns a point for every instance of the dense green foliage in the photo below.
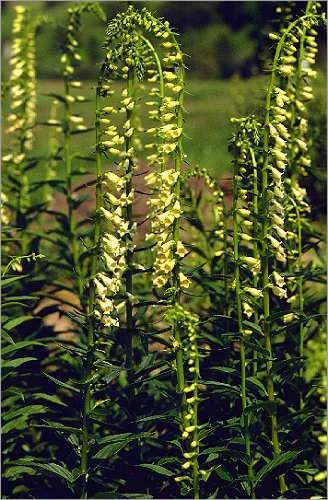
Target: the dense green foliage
pixel 162 334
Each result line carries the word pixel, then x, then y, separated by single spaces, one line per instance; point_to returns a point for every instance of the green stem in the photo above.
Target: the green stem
pixel 158 64
pixel 176 282
pixel 195 472
pixel 255 198
pixel 265 262
pixel 298 83
pixel 129 254
pixel 298 268
pixel 87 395
pixel 23 199
pixel 69 194
pixel 294 175
pixel 240 331
pixel 300 299
pixel 265 249
pixel 225 258
pixel 22 194
pixel 52 150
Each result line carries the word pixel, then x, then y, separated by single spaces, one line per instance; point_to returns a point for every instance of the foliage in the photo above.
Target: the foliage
pixel 156 326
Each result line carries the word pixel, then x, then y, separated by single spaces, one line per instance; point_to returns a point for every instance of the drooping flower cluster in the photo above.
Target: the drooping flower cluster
pixel 5 216
pixel 71 59
pixel 22 83
pixel 279 135
pixel 295 70
pixel 162 141
pixel 116 210
pixel 220 222
pixel 165 146
pixel 165 212
pixel 22 115
pixel 189 418
pixel 290 141
pixel 245 213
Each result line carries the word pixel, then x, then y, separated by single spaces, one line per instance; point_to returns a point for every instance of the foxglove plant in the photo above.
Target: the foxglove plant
pixel 190 424
pixel 73 122
pixel 300 93
pixel 21 118
pixel 167 300
pixel 245 254
pixel 273 192
pixel 119 136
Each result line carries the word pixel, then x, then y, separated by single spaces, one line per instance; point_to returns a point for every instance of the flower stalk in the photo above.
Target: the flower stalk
pixel 276 100
pixel 244 212
pixel 91 320
pixel 129 253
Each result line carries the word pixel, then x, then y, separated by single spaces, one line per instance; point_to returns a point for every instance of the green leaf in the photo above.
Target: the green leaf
pixel 57 470
pixel 257 383
pixel 253 326
pixel 107 494
pixel 19 345
pixel 60 383
pixel 20 297
pixel 49 397
pixel 135 495
pixel 111 449
pixel 6 337
pixel 89 129
pixel 17 424
pixel 213 449
pixel 17 471
pixel 221 385
pixel 9 281
pixel 11 324
pixel 163 471
pixel 305 469
pixel 153 417
pixel 224 369
pixel 223 474
pixel 211 457
pixel 256 346
pixel 24 411
pixel 15 363
pixel 115 438
pixel 274 467
pixel 117 443
pixel 58 427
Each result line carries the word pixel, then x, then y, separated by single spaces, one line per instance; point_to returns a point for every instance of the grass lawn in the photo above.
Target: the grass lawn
pixel 209 106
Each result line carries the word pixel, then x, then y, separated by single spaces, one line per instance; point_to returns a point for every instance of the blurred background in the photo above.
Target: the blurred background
pixel 221 39
pixel 227 54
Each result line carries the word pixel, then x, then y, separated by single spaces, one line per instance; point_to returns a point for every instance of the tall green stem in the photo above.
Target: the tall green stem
pixel 195 472
pixel 129 254
pixel 225 258
pixel 265 249
pixel 300 292
pixel 176 282
pixel 300 298
pixel 294 175
pixel 240 329
pixel 158 64
pixel 22 197
pixel 255 197
pixel 69 193
pixel 87 395
pixel 265 263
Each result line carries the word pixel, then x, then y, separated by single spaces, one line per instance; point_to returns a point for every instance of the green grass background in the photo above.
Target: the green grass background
pixel 209 106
